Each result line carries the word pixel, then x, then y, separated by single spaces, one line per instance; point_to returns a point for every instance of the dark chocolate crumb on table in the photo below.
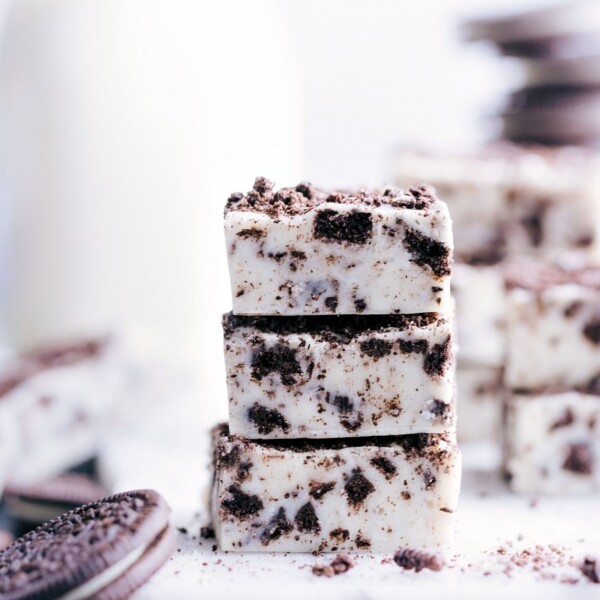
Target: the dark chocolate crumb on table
pixel 410 559
pixel 279 359
pixel 427 252
pixel 579 459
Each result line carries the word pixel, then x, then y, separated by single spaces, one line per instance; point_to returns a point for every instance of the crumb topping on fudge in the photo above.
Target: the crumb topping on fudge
pixel 305 197
pixel 339 328
pixel 409 559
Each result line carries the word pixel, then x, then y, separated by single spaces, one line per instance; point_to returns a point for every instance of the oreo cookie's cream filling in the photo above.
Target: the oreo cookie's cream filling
pixel 112 573
pixel 553 443
pixel 553 336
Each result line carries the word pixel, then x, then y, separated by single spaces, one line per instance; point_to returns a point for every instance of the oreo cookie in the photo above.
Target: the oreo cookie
pixel 568 29
pixel 580 71
pixel 573 119
pixel 103 550
pixel 40 502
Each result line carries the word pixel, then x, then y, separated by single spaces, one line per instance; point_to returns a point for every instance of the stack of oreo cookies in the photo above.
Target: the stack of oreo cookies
pixel 558 47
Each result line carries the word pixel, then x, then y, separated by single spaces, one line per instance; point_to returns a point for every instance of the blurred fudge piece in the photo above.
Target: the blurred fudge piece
pixel 303 251
pixel 553 443
pixel 509 200
pixel 553 327
pixel 52 403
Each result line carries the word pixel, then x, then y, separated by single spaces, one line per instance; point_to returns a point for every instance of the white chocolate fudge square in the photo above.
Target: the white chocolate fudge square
pixel 479 403
pixel 480 305
pixel 339 376
pixel 553 443
pixel 553 327
pixel 301 251
pixel 53 403
pixel 374 494
pixel 508 200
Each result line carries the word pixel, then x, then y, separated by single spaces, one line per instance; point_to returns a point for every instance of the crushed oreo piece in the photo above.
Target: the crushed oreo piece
pixel 590 569
pixel 384 465
pixel 438 359
pixel 354 227
pixel 319 489
pixel 278 359
pixel 358 487
pixel 241 505
pixel 376 348
pixel 277 526
pixel 306 519
pixel 267 419
pixel 207 532
pixel 340 564
pixel 410 559
pixel 567 418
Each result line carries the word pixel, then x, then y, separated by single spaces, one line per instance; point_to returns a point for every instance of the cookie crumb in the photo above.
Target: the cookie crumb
pixel 408 559
pixel 340 564
pixel 589 567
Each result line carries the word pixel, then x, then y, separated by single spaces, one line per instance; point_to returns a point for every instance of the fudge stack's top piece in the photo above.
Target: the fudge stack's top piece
pixel 304 251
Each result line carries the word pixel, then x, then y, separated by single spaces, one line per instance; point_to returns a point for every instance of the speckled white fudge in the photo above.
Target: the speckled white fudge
pixel 302 251
pixel 553 443
pixel 480 305
pixel 52 406
pixel 510 200
pixel 339 376
pixel 479 403
pixel 375 494
pixel 553 327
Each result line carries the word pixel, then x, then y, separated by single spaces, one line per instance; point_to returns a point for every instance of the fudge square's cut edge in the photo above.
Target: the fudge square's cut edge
pixel 371 494
pixel 387 252
pixel 347 376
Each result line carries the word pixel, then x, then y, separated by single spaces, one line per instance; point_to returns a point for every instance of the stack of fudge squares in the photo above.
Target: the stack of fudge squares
pixel 340 371
pixel 526 227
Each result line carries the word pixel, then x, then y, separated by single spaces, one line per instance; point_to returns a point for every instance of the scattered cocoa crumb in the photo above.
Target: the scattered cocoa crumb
pixel 407 558
pixel 182 530
pixel 590 568
pixel 207 532
pixel 340 564
pixel 533 502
